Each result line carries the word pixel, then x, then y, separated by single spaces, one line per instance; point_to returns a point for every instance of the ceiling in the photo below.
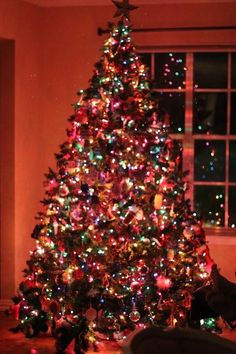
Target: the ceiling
pixel 56 3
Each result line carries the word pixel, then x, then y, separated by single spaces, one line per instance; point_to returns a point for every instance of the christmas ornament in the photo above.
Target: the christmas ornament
pixel 135 286
pixel 134 315
pixel 81 116
pixel 63 190
pixel 50 185
pixel 78 274
pixel 187 233
pixel 91 314
pixel 76 214
pixel 158 201
pixel 163 283
pixel 66 276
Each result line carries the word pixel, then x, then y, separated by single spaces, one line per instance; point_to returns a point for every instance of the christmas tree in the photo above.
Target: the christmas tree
pixel 117 245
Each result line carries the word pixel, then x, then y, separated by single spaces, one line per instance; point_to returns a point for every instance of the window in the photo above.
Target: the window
pixel 197 95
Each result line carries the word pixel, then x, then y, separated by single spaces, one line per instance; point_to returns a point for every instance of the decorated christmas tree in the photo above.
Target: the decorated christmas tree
pixel 117 245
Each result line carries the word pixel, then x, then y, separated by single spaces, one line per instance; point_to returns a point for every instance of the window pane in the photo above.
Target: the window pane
pixel 210 113
pixel 232 206
pixel 232 161
pixel 209 162
pixel 169 70
pixel 172 110
pixel 233 72
pixel 146 59
pixel 209 204
pixel 210 70
pixel 233 114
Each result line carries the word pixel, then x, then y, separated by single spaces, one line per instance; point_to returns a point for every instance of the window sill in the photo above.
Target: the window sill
pixel 221 236
pixel 220 231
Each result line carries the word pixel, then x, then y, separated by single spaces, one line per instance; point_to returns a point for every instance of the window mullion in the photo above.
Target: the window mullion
pixel 227 143
pixel 152 66
pixel 188 142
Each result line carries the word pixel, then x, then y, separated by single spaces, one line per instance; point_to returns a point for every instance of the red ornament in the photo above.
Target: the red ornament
pixel 135 286
pixel 78 274
pixel 61 245
pixel 63 191
pixel 172 165
pixel 50 185
pixel 163 283
pixel 81 116
pixel 134 315
pixel 29 283
pixel 187 233
pixel 91 314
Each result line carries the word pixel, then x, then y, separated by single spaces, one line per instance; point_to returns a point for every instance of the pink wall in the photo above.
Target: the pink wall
pixel 55 51
pixel 21 23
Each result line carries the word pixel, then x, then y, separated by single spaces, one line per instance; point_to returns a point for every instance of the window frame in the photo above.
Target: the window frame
pixel 188 138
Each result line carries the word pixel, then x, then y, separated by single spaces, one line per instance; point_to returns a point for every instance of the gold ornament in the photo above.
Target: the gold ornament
pixel 158 201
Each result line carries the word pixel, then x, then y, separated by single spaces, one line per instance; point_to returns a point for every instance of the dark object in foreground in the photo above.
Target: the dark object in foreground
pixel 69 331
pixel 175 340
pixel 216 299
pixel 222 296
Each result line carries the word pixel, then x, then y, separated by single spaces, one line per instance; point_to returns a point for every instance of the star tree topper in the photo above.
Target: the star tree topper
pixel 123 8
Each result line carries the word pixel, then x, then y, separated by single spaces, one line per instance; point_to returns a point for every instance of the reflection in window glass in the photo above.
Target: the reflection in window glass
pixel 172 110
pixel 146 59
pixel 232 161
pixel 169 70
pixel 233 114
pixel 232 206
pixel 209 162
pixel 209 204
pixel 210 113
pixel 211 109
pixel 233 71
pixel 210 70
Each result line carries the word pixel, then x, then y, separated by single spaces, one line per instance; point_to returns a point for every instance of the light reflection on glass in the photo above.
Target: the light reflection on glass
pixel 209 204
pixel 209 162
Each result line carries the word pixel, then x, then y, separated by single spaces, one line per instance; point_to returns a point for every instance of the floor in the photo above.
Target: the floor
pixel 16 343
pixel 11 343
